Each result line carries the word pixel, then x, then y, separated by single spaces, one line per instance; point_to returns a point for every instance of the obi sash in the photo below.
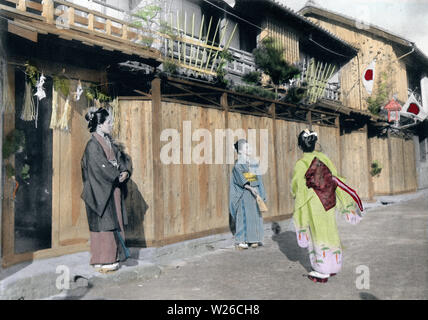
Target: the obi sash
pixel 250 177
pixel 319 177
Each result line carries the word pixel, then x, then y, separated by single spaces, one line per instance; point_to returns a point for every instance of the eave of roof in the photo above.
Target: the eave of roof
pixel 301 18
pixel 373 29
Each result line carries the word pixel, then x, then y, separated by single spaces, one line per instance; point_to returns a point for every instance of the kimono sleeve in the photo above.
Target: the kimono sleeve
pixel 238 176
pixel 125 163
pixel 98 165
pixel 300 194
pixel 262 190
pixel 99 178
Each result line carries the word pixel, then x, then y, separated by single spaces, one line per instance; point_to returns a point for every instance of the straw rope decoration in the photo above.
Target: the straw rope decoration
pixel 54 116
pixel 7 102
pixel 29 110
pixel 66 115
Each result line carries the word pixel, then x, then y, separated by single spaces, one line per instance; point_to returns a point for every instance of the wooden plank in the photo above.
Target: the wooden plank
pixel 48 11
pixel 8 207
pixel 157 165
pixel 22 32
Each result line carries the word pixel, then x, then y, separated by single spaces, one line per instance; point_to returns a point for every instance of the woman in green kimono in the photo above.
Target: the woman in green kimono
pixel 245 184
pixel 316 227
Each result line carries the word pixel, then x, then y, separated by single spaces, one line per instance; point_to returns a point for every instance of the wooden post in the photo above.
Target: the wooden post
pixel 272 111
pixel 309 119
pixel 391 176
pixel 369 163
pixel 108 27
pixel 225 105
pixel 71 16
pixel 21 5
pixel 339 144
pixel 91 22
pixel 48 11
pixel 124 32
pixel 157 164
pixel 8 204
pixel 228 167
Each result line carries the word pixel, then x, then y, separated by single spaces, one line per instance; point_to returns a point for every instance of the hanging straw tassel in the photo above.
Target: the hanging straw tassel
pixel 54 116
pixel 116 117
pixel 65 119
pixel 29 110
pixel 6 104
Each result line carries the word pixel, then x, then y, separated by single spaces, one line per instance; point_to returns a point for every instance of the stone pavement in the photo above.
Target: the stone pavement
pixel 390 245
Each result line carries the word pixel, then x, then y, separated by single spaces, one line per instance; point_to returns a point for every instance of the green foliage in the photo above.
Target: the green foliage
pixel 170 66
pixel 296 94
pixel 10 171
pixel 376 169
pixel 13 142
pixel 221 72
pixel 270 58
pixel 166 29
pixel 93 93
pixel 252 77
pixel 25 172
pixel 61 84
pixel 255 91
pixel 32 73
pixel 148 13
pixel 377 101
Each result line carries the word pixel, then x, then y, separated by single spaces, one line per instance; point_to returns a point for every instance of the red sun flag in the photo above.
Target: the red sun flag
pixel 368 77
pixel 413 109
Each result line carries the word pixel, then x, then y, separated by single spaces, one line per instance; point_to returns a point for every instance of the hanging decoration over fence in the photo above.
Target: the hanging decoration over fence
pixel 393 108
pixel 78 92
pixel 54 115
pixel 6 104
pixel 369 76
pixel 28 110
pixel 413 109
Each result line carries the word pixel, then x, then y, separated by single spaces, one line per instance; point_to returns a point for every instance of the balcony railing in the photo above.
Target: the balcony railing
pixel 72 21
pixel 243 62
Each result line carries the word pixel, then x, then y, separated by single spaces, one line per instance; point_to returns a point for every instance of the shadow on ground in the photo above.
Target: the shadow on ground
pixel 367 296
pixel 287 244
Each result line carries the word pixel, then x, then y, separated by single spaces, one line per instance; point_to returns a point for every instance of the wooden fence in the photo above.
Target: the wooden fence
pixel 168 203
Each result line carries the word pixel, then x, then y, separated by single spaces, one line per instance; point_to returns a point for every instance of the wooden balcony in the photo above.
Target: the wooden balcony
pixel 73 22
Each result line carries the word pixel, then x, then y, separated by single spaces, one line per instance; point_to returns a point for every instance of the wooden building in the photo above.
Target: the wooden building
pixel 43 214
pixel 401 69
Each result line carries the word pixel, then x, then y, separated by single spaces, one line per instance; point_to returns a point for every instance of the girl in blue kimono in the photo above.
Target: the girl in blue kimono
pixel 245 185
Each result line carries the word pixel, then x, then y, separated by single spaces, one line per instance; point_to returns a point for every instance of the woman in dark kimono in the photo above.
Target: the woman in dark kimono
pixel 105 173
pixel 245 185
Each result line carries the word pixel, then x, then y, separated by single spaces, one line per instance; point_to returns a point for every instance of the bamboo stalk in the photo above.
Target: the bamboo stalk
pixel 316 80
pixel 178 43
pixel 193 35
pixel 320 81
pixel 185 35
pixel 221 39
pixel 206 41
pixel 231 37
pixel 171 41
pixel 211 50
pixel 200 35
